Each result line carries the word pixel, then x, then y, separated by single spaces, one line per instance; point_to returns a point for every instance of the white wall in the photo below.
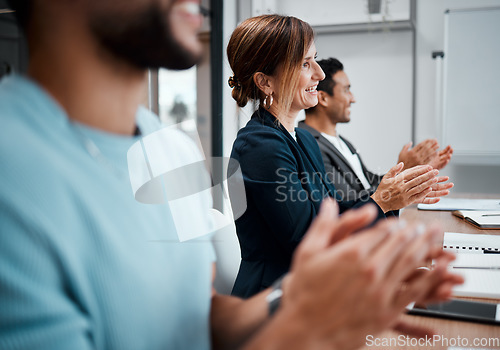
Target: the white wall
pixel 379 66
pixel 430 29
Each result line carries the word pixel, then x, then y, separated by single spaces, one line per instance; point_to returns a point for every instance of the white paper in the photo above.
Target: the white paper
pixel 477 260
pixel 462 203
pixel 478 283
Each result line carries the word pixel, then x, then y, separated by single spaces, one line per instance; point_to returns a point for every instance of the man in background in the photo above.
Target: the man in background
pixel 343 164
pixel 83 265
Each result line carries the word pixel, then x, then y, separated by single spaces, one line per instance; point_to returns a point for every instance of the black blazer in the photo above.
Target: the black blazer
pixel 339 170
pixel 285 184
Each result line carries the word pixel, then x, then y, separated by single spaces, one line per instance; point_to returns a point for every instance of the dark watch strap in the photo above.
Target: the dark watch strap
pixel 274 298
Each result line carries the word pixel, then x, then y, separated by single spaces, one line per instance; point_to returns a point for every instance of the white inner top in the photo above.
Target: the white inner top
pixel 351 158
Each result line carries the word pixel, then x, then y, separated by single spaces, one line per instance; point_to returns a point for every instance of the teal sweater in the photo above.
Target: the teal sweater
pixel 83 265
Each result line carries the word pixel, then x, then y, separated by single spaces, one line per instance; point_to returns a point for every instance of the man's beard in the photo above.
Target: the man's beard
pixel 144 39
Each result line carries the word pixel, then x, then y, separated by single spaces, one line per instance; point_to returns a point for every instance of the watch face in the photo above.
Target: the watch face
pixel 274 298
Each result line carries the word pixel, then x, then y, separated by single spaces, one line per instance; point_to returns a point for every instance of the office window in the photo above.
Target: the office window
pixel 184 99
pixel 177 98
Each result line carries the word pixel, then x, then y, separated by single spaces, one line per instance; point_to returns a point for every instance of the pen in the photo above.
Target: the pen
pixel 478 267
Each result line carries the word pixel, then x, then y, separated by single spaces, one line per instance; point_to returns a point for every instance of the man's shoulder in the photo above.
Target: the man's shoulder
pixel 315 133
pixel 12 85
pixel 35 152
pixel 147 121
pixel 20 134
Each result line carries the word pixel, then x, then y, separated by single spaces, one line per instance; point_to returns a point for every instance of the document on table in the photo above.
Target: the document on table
pixel 462 204
pixel 478 283
pixel 483 219
pixel 478 262
pixel 481 273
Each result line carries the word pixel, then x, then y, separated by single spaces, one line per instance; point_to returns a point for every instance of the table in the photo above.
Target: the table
pixel 458 333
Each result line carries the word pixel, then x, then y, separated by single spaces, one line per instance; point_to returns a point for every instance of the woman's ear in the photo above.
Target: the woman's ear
pixel 264 82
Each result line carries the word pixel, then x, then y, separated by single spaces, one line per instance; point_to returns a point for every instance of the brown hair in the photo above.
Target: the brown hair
pixel 264 44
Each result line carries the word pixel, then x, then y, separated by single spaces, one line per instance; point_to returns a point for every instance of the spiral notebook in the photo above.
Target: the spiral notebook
pixel 471 243
pixel 479 218
pixel 478 262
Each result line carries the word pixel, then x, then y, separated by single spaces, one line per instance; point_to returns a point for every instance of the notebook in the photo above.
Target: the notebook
pixel 471 243
pixel 480 271
pixel 462 204
pixel 483 219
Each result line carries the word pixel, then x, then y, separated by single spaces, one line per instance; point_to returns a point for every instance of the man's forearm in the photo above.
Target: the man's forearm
pixel 234 320
pixel 284 331
pixel 245 323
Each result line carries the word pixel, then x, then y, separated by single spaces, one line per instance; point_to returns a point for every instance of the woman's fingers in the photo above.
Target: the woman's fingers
pixel 422 178
pixel 442 178
pixel 415 172
pixel 429 200
pixel 416 189
pixel 395 170
pixel 437 189
pixel 440 190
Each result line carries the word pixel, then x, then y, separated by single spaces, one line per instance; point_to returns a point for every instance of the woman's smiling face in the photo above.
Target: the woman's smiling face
pixel 306 95
pixel 311 74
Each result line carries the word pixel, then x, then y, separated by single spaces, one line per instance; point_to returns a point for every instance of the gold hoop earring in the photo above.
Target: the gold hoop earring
pixel 268 101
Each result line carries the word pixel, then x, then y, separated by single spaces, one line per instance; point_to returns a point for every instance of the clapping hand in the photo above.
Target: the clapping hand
pixel 442 158
pixel 425 152
pixel 419 184
pixel 337 294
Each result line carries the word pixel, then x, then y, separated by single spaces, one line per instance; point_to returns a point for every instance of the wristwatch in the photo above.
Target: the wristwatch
pixel 274 298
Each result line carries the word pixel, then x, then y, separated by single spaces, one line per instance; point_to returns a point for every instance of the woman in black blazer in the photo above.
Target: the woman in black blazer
pixel 273 60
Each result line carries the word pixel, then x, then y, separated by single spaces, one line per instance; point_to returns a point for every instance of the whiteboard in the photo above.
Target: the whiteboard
pixel 335 12
pixel 471 86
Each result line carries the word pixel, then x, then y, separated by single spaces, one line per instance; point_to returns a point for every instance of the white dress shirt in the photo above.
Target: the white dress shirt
pixel 352 158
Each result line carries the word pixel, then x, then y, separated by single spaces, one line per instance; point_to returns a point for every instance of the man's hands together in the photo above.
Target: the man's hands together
pixel 442 158
pixel 426 152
